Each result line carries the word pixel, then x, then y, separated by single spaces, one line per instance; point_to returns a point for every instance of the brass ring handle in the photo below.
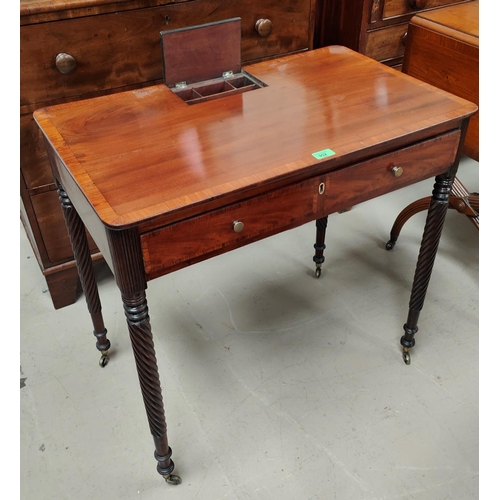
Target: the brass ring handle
pixel 417 4
pixel 65 63
pixel 397 171
pixel 264 27
pixel 238 226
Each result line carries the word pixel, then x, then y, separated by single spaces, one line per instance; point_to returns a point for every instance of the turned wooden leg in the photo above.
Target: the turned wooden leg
pixel 430 241
pixel 320 246
pixel 78 239
pixel 136 311
pixel 131 279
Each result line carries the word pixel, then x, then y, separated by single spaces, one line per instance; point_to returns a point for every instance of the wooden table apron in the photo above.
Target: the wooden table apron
pixel 161 184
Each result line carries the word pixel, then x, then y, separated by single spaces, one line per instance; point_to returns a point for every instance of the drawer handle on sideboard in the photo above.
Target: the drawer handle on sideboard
pixel 238 226
pixel 65 63
pixel 397 171
pixel 404 37
pixel 417 4
pixel 264 27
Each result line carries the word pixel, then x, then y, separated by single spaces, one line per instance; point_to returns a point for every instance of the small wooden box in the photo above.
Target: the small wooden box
pixel 443 49
pixel 201 63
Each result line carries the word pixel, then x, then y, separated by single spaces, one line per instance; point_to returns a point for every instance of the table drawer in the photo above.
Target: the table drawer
pixel 213 233
pixel 183 243
pixel 115 50
pixel 386 43
pixel 394 8
pixel 353 185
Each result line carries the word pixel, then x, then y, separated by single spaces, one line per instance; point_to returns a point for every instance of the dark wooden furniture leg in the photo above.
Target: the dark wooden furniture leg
pixel 460 200
pixel 131 280
pixel 78 238
pixel 320 246
pixel 438 208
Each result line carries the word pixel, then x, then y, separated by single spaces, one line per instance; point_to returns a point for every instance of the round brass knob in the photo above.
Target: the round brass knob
pixel 264 27
pixel 397 171
pixel 238 226
pixel 65 63
pixel 417 4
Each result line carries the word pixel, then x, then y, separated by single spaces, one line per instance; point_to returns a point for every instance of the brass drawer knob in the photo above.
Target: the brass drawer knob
pixel 417 4
pixel 238 226
pixel 65 63
pixel 397 171
pixel 264 27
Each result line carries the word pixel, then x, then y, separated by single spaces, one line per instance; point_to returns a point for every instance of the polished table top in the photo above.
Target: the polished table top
pixel 144 154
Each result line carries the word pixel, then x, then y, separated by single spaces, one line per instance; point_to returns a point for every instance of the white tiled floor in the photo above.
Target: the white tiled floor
pixel 277 385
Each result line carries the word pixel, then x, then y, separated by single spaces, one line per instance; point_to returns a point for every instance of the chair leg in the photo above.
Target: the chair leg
pixel 460 200
pixel 412 209
pixel 464 202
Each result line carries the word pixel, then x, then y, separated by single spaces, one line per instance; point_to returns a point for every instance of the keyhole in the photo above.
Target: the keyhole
pixel 321 188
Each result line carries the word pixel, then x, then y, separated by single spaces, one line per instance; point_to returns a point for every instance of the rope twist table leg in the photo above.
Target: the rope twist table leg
pixel 79 243
pixel 430 241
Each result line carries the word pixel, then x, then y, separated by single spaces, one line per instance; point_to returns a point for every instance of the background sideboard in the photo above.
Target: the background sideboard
pixel 376 28
pixel 77 49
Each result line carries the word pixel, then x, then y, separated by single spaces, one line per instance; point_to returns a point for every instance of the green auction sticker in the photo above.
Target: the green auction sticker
pixel 319 155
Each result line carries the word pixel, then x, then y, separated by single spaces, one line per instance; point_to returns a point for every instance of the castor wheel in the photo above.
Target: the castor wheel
pixel 104 360
pixel 318 272
pixel 406 357
pixel 173 479
pixel 390 245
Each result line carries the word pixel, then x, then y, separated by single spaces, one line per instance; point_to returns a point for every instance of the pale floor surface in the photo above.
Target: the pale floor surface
pixel 277 385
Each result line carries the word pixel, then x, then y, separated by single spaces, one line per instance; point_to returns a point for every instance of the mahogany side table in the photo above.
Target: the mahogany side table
pixel 161 184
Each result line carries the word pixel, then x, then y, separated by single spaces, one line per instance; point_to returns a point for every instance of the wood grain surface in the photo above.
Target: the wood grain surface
pixel 146 154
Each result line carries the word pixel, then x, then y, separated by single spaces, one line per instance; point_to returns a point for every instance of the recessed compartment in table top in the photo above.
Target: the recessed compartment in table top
pixel 202 63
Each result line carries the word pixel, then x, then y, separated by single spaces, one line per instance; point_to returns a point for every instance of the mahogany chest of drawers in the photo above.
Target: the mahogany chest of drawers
pixel 450 39
pixel 376 28
pixel 75 49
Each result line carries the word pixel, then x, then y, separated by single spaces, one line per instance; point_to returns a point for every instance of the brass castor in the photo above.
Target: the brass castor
pixel 390 245
pixel 104 360
pixel 406 357
pixel 173 479
pixel 317 272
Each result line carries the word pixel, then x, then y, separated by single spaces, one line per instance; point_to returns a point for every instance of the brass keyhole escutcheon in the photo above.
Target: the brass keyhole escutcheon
pixel 321 188
pixel 397 171
pixel 238 226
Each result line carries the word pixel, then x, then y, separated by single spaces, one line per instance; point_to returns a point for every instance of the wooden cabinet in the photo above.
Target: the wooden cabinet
pixel 76 49
pixel 376 28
